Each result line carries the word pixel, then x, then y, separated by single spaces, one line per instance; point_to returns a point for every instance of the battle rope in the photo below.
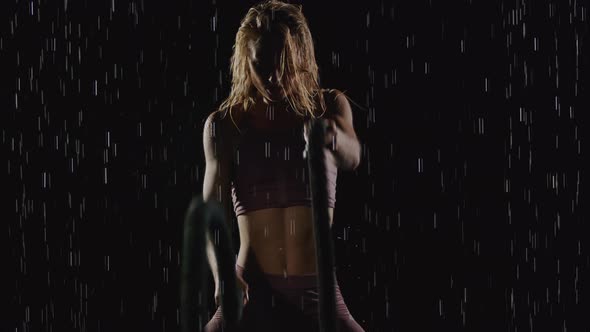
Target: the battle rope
pixel 202 217
pixel 321 226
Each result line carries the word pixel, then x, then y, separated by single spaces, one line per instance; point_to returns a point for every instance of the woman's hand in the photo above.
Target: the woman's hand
pixel 330 134
pixel 242 285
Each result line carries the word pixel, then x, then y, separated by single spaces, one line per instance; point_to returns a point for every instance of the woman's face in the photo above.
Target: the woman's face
pixel 264 66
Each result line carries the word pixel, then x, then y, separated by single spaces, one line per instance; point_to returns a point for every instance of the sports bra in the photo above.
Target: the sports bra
pixel 269 171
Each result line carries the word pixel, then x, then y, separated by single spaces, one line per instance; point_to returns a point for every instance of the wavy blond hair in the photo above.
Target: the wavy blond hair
pixel 298 68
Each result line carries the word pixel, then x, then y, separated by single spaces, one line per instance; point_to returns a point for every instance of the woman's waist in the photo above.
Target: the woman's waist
pixel 276 262
pixel 255 277
pixel 279 256
pixel 291 242
pixel 278 281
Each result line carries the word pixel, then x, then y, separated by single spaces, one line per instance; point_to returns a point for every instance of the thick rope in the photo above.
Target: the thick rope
pixel 200 218
pixel 321 227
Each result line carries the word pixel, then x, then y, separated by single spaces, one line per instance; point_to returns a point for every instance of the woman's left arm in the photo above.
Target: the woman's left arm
pixel 347 149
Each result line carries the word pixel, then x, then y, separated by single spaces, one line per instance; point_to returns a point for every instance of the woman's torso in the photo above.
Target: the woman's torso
pixel 281 240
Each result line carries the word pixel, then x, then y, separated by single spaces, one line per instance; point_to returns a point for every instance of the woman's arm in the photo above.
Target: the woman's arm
pixel 216 179
pixel 347 151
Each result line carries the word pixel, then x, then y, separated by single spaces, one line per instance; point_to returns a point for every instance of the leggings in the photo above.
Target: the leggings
pixel 284 304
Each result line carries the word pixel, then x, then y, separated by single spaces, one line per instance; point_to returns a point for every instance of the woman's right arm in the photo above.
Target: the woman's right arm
pixel 216 179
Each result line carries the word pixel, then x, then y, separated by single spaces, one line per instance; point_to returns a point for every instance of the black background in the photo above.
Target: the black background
pixel 466 213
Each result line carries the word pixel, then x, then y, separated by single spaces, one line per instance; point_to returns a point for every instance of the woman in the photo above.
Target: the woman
pixel 255 157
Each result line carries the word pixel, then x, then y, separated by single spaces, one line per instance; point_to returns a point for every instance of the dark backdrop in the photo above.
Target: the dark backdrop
pixel 466 213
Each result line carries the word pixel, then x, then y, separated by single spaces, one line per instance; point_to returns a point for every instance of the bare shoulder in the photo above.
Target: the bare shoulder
pixel 212 128
pixel 333 93
pixel 216 118
pixel 222 123
pixel 210 137
pixel 337 103
pixel 217 134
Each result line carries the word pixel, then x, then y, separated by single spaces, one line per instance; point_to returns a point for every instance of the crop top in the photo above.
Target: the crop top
pixel 269 171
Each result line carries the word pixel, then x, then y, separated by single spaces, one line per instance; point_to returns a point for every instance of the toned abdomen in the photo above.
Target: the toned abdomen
pixel 280 239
